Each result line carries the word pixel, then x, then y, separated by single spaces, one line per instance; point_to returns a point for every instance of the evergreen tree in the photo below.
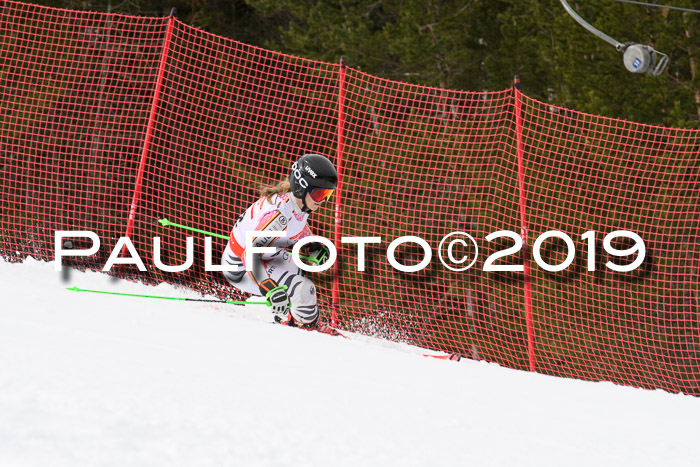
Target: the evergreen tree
pixel 482 44
pixel 472 45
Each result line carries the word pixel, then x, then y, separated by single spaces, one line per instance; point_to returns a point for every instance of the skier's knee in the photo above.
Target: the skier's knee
pixel 305 314
pixel 304 306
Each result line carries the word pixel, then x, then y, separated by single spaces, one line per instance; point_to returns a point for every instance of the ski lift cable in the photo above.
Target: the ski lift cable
pixel 637 58
pixel 618 45
pixel 656 5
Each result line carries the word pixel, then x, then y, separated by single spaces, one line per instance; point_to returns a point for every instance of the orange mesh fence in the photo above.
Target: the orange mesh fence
pixel 111 123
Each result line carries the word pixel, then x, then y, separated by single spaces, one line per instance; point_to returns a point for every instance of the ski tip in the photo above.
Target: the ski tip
pixel 164 222
pixel 324 328
pixel 73 289
pixel 331 332
pixel 454 356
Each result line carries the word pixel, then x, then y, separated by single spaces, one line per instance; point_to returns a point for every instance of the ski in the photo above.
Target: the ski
pixel 325 328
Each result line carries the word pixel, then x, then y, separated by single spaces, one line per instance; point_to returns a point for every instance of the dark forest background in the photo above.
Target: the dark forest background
pixel 473 45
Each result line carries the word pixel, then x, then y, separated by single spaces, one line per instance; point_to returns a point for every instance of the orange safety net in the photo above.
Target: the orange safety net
pixel 112 122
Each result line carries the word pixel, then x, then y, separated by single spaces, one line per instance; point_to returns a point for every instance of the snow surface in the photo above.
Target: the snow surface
pixel 99 380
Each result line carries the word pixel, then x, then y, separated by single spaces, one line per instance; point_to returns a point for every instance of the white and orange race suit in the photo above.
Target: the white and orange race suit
pixel 280 213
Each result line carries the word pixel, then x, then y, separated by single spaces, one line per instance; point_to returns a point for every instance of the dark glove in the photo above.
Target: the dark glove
pixel 316 252
pixel 277 296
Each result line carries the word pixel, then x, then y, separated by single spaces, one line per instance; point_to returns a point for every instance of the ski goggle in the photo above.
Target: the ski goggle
pixel 321 194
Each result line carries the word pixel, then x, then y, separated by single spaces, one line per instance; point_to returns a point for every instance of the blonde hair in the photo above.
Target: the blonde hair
pixel 270 190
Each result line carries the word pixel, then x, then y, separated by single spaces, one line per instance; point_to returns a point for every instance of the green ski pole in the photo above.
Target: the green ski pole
pixel 166 223
pixel 230 302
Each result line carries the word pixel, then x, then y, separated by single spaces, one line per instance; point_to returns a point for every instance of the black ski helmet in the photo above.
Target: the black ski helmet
pixel 312 171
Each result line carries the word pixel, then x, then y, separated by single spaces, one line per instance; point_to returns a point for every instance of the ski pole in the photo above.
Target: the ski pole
pixel 230 302
pixel 166 222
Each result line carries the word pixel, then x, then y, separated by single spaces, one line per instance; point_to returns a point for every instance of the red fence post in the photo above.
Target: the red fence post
pixel 338 192
pixel 149 128
pixel 523 224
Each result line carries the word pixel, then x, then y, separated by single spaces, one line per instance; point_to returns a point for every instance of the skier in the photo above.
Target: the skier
pixel 283 207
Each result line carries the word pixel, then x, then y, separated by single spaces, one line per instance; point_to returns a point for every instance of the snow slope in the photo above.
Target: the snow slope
pixel 96 380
